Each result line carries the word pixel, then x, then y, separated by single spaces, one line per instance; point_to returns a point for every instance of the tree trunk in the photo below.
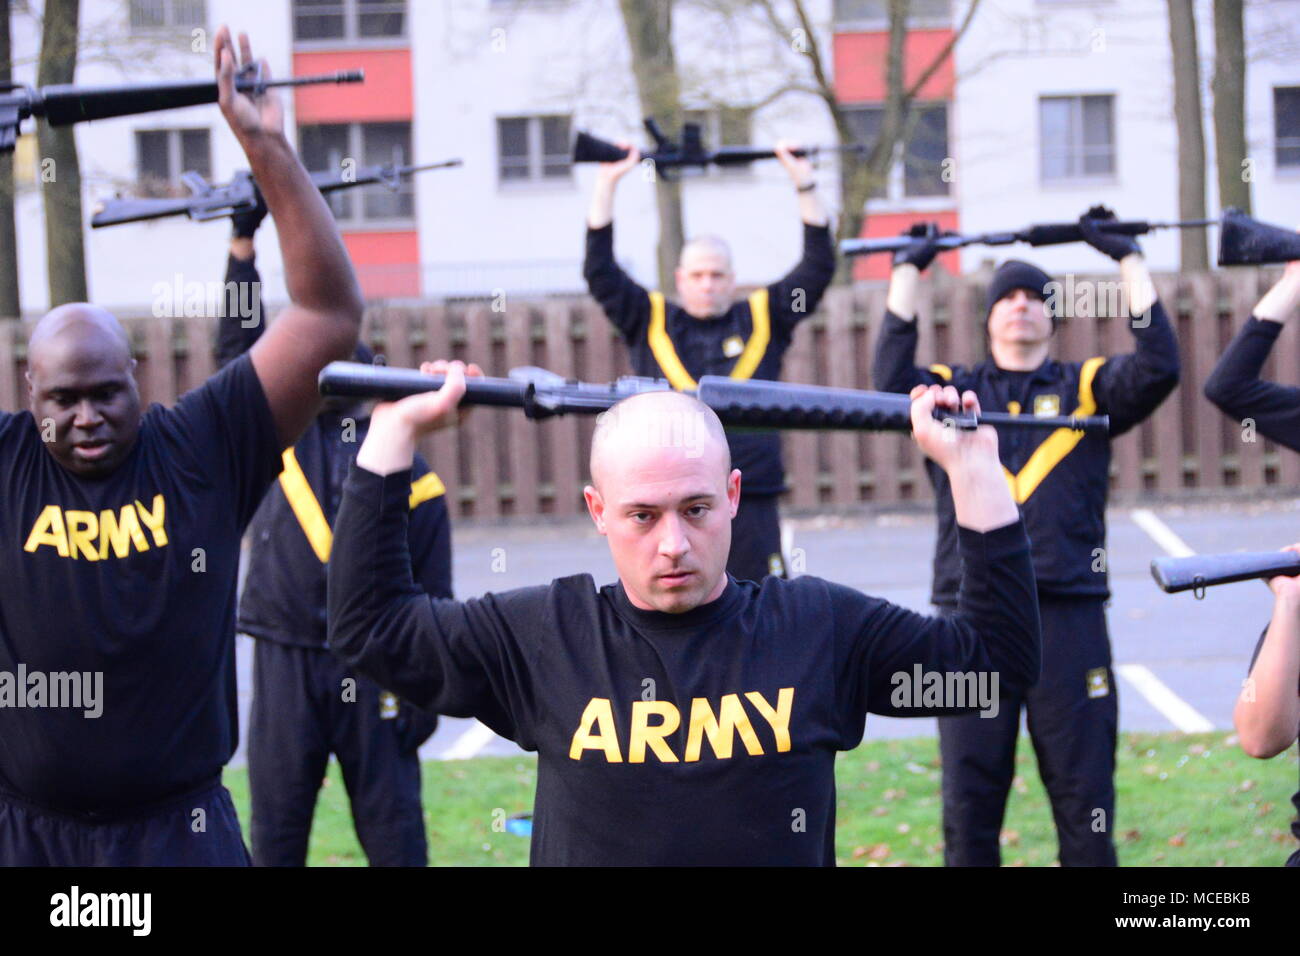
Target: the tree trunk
pixel 59 170
pixel 1230 104
pixel 860 178
pixel 1191 135
pixel 10 303
pixel 649 27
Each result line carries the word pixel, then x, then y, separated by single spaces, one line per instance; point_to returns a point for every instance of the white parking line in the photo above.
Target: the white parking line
pixel 1161 533
pixel 468 744
pixel 787 542
pixel 1176 710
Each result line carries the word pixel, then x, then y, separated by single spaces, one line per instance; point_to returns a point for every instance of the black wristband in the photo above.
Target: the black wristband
pixel 806 187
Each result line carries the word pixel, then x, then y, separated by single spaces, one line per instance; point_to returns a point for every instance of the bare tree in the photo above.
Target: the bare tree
pixel 649 27
pixel 858 178
pixel 60 170
pixel 10 302
pixel 1191 135
pixel 1229 87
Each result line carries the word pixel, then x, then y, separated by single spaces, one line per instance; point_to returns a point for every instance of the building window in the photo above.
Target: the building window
pixel 920 170
pixel 1077 136
pixel 161 14
pixel 874 14
pixel 721 126
pixel 163 154
pixel 315 20
pixel 325 147
pixel 1286 125
pixel 533 149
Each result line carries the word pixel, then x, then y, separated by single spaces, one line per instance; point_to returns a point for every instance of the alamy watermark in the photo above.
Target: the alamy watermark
pixel 75 690
pixel 241 300
pixel 946 690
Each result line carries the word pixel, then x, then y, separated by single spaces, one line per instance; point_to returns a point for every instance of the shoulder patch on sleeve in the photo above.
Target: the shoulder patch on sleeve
pixel 425 488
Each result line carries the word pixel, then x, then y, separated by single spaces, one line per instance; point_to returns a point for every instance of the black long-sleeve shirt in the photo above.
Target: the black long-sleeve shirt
pixel 1236 387
pixel 715 346
pixel 1059 478
pixel 284 590
pixel 707 737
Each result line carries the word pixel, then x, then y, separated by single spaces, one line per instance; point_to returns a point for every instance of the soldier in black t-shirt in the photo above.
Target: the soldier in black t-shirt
pixel 680 716
pixel 1267 715
pixel 119 549
pixel 709 334
pixel 307 703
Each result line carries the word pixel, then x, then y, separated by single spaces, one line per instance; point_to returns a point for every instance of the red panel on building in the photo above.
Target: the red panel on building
pixel 387 263
pixel 860 65
pixel 385 95
pixel 883 225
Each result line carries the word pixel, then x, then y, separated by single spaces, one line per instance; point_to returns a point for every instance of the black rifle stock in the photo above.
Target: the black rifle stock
pixel 65 104
pixel 1200 571
pixel 209 201
pixel 739 404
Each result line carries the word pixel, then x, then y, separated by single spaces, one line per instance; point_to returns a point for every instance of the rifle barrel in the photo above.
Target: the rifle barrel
pixel 1199 571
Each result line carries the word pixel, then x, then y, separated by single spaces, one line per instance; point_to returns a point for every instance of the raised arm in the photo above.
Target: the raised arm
pixel 450 657
pixel 1267 714
pixel 239 328
pixel 1130 387
pixel 323 319
pixel 624 301
pixel 1235 384
pixel 996 630
pixel 893 367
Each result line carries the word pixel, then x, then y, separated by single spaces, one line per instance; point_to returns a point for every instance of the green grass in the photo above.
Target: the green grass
pixel 1183 800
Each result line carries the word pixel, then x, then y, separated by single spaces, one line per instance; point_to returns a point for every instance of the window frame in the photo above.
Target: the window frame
pixel 1077 179
pixel 175 160
pixel 877 24
pixel 357 221
pixel 1286 170
pixel 169 17
pixel 896 198
pixel 537 179
pixel 351 37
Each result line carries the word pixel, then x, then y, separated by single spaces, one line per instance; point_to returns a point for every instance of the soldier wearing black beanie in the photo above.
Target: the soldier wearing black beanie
pixel 1060 480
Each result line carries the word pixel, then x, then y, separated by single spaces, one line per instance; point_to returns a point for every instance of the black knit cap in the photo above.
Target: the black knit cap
pixel 1015 274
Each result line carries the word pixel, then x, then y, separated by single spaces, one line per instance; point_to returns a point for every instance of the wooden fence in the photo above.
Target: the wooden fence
pixel 503 465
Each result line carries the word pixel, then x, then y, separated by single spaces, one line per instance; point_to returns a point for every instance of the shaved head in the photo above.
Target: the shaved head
pixel 657 420
pixel 663 492
pixel 705 245
pixel 81 380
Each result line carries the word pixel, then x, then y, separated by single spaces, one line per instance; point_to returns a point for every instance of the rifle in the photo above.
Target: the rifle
pixel 65 104
pixel 1200 571
pixel 689 152
pixel 208 201
pixel 1046 234
pixel 738 403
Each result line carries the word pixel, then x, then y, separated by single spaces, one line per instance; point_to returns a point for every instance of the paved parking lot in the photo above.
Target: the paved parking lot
pixel 1180 661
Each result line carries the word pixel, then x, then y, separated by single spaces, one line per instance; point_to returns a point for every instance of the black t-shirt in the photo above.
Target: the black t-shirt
pixel 1294 859
pixel 707 737
pixel 1236 387
pixel 131 577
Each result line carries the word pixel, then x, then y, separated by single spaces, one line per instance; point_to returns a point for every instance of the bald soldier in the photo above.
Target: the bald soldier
pixel 710 334
pixel 119 549
pixel 680 716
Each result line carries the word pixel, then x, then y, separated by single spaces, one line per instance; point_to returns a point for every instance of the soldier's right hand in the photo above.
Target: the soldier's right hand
pixel 613 172
pixel 920 252
pixel 430 411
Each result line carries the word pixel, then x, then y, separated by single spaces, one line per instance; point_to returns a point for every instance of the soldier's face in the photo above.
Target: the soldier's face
pixel 1020 318
pixel 705 282
pixel 667 516
pixel 84 397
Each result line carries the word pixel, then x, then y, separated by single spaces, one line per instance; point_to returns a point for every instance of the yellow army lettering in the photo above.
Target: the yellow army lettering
pixel 596 729
pixel 84 534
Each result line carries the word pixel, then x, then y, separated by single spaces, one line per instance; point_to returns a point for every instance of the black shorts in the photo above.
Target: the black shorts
pixel 199 828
